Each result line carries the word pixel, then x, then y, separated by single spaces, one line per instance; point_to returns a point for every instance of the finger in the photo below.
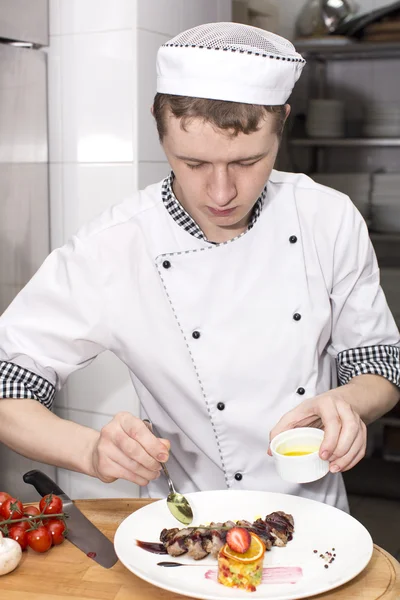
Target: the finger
pixel 120 473
pixel 290 420
pixel 149 426
pixel 113 435
pixel 356 460
pixel 332 424
pixel 135 452
pixel 343 464
pixel 351 430
pixel 354 455
pixel 303 415
pixel 115 455
pixel 139 432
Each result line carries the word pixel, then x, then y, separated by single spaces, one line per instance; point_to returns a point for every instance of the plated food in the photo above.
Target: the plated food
pixel 239 547
pixel 295 570
pixel 198 542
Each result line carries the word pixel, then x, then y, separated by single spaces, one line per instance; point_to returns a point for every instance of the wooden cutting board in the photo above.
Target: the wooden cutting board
pixel 65 573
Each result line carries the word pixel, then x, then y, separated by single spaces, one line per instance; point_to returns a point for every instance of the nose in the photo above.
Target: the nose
pixel 221 187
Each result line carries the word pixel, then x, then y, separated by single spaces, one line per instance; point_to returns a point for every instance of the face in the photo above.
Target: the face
pixel 220 177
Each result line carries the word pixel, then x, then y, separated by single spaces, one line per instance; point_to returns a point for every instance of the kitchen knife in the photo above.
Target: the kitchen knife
pixel 81 532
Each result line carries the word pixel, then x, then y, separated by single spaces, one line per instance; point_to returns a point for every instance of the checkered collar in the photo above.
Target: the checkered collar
pixel 183 219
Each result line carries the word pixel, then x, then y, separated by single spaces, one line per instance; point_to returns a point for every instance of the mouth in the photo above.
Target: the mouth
pixel 221 213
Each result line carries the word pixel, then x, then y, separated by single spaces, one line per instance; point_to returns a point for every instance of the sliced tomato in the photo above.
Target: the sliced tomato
pixel 51 504
pixel 39 539
pixel 57 530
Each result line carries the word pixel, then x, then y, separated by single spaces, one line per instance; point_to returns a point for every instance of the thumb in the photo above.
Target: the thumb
pixel 166 443
pixel 284 424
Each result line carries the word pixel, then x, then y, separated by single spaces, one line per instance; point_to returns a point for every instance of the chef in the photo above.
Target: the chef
pixel 244 301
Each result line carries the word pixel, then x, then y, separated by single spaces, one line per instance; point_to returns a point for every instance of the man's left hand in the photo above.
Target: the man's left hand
pixel 345 438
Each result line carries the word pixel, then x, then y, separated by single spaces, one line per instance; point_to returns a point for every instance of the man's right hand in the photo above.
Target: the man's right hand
pixel 126 449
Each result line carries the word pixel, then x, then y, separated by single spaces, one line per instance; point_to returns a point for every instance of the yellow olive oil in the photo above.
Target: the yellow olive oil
pixel 297 451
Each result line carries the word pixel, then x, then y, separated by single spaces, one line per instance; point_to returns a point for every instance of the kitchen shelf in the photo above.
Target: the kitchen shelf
pixel 347 51
pixel 343 142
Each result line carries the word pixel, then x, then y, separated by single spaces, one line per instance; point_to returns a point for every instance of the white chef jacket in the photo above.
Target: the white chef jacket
pixel 218 338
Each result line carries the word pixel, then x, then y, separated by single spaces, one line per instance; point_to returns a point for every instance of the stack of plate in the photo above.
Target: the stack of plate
pixel 382 120
pixel 325 118
pixel 355 185
pixel 385 203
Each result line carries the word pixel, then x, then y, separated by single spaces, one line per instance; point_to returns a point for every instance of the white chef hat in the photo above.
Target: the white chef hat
pixel 229 61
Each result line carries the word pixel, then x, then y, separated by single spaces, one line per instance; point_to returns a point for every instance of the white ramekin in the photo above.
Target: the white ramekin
pixel 299 469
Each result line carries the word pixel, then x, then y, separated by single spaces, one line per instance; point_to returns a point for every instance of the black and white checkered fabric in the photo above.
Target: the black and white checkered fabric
pixel 17 382
pixel 183 219
pixel 374 360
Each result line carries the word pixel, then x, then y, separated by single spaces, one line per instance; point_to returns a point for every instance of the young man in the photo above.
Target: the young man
pixel 237 296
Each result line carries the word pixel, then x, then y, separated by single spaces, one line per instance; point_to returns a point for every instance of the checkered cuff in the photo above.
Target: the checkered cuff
pixel 17 382
pixel 374 360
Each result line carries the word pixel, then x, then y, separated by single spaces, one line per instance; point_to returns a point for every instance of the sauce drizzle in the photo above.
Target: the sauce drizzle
pixel 153 547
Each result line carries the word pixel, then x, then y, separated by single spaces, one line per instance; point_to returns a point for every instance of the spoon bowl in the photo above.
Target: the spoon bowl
pixel 178 505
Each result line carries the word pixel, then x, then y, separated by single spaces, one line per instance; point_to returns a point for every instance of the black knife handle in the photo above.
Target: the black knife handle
pixel 42 483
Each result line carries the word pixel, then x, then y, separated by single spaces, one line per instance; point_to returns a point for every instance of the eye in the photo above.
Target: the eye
pixel 247 164
pixel 194 166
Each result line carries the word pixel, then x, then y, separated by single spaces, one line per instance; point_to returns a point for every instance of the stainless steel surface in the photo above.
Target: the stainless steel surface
pixel 347 51
pixel 83 534
pixel 338 142
pixel 336 12
pixel 24 203
pixel 25 20
pixel 309 21
pixel 23 106
pixel 177 504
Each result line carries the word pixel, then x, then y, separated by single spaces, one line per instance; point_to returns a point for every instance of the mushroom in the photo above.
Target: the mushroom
pixel 10 554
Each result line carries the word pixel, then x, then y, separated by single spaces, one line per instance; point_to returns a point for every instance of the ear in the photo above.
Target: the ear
pixel 288 108
pixel 152 110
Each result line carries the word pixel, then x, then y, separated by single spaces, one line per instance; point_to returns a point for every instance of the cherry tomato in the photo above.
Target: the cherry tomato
pixel 25 525
pixel 3 497
pixel 51 504
pixel 39 539
pixel 56 528
pixel 31 512
pixel 19 534
pixel 12 509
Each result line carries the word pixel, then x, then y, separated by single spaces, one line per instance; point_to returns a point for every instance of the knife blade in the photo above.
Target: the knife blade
pixel 81 532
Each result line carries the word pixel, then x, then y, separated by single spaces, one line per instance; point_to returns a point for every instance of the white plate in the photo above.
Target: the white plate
pixel 317 527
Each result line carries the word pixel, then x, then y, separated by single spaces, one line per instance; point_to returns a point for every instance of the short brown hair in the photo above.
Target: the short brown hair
pixel 233 116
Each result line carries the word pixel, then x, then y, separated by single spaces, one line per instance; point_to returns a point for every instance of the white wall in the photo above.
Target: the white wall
pixel 158 21
pixel 103 146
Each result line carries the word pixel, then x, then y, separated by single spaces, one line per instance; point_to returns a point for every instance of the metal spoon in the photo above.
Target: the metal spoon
pixel 178 505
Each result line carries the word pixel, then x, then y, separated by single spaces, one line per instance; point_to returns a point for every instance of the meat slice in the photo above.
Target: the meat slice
pixel 282 527
pixel 275 530
pixel 264 532
pixel 176 540
pixel 195 545
pixel 213 543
